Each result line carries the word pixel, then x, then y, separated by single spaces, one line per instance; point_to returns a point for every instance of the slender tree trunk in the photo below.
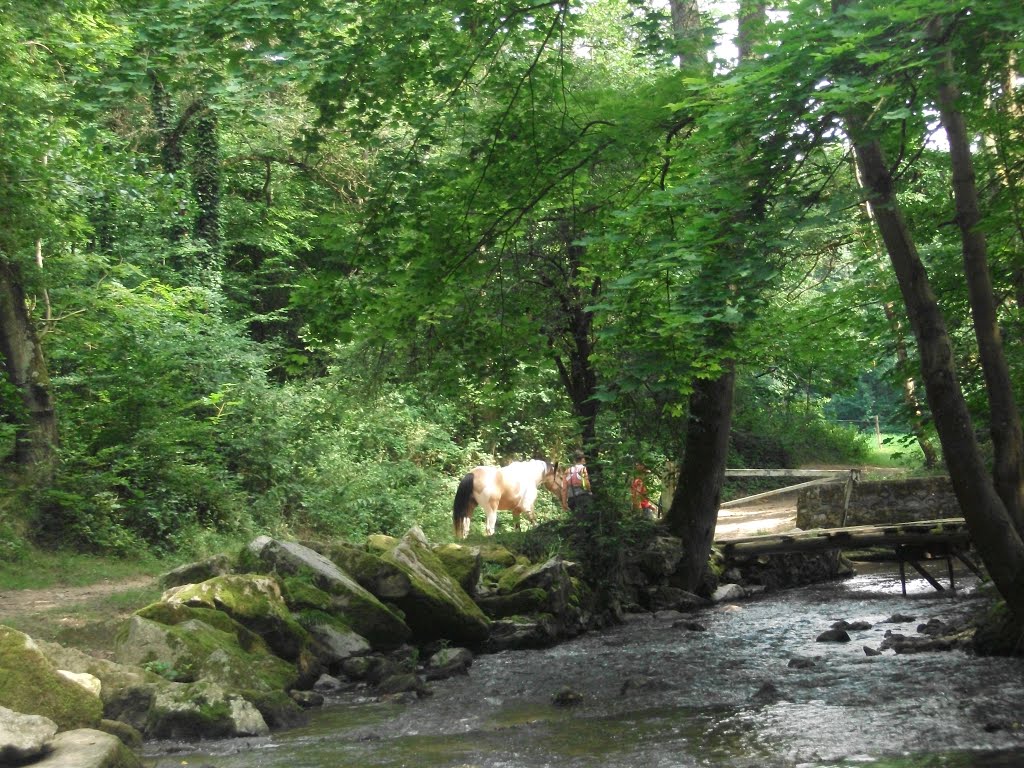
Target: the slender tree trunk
pixel 576 368
pixel 1005 425
pixel 36 435
pixel 695 504
pixel 992 529
pixel 694 511
pixel 687 34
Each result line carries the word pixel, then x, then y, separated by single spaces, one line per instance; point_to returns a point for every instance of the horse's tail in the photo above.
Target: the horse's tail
pixel 464 503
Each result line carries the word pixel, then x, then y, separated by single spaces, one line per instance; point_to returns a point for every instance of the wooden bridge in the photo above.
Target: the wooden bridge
pixel 910 543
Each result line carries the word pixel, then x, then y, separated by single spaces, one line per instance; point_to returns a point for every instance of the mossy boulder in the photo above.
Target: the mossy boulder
pixel 193 650
pixel 194 573
pixel 337 640
pixel 113 676
pixel 30 684
pixel 552 576
pixel 524 602
pixel 380 543
pixel 437 606
pixel 359 609
pixel 200 711
pixel 380 578
pixel 463 563
pixel 517 632
pixel 300 595
pixel 252 600
pixel 495 554
pixel 173 614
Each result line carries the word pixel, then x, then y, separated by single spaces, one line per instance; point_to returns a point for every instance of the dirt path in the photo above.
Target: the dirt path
pixel 773 515
pixel 21 602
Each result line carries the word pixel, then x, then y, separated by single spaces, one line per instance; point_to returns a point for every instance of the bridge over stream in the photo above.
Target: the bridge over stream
pixel 907 543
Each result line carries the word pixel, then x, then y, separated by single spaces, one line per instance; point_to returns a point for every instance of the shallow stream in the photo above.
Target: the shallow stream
pixel 658 695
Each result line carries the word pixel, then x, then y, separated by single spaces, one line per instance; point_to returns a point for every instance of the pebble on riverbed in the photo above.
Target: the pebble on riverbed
pixel 567 697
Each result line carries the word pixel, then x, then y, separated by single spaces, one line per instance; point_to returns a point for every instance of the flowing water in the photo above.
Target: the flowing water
pixel 658 695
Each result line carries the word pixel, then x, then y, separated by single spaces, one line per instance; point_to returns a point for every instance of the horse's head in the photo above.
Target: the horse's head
pixel 553 479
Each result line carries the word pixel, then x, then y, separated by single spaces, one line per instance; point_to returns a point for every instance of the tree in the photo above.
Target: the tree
pixel 31 131
pixel 989 517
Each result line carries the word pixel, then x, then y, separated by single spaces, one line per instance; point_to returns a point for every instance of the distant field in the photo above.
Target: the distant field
pixel 894 451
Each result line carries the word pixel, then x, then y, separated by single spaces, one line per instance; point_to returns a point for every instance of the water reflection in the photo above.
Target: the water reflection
pixel 657 694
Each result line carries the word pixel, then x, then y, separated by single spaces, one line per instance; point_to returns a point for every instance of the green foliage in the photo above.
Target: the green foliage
pixel 166 671
pixel 404 220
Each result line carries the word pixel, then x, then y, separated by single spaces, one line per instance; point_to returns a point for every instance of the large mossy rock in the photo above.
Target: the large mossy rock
pixel 255 602
pixel 202 710
pixel 551 576
pixel 193 573
pixel 112 675
pixel 313 608
pixel 30 684
pixel 538 604
pixel 518 632
pixel 436 606
pixel 192 649
pixel 358 608
pixel 463 563
pixel 380 578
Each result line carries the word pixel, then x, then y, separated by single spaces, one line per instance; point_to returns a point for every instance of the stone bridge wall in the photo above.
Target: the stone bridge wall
pixel 887 501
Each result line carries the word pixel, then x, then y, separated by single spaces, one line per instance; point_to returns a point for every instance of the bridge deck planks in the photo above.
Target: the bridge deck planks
pixel 911 543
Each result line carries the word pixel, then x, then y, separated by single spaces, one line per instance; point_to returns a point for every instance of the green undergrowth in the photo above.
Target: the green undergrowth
pixel 42 569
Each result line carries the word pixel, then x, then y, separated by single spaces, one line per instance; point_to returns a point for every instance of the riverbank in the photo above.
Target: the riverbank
pixel 552 589
pixel 741 684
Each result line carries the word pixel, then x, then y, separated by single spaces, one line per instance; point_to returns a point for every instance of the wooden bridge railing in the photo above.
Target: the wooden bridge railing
pixel 820 477
pixel 911 543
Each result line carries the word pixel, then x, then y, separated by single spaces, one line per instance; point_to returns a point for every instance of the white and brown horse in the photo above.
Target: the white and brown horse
pixel 513 487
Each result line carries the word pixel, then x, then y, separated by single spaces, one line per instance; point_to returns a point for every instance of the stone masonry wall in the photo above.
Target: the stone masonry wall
pixel 890 501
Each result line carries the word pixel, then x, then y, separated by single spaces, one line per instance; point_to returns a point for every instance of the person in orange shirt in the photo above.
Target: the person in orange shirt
pixel 638 492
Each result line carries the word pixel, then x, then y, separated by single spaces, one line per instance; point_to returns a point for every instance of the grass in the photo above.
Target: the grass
pixel 894 451
pixel 87 621
pixel 40 569
pixel 89 625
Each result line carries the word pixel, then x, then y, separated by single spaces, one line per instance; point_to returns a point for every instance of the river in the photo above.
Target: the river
pixel 656 694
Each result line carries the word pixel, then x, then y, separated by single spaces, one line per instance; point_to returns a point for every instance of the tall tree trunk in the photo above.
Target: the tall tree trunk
pixel 695 503
pixel 36 428
pixel 575 361
pixel 687 33
pixel 1004 418
pixel 992 529
pixel 694 511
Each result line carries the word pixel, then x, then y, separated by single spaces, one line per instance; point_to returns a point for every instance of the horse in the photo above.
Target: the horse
pixel 513 487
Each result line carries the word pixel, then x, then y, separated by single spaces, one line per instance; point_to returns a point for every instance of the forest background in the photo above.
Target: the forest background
pixel 297 265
